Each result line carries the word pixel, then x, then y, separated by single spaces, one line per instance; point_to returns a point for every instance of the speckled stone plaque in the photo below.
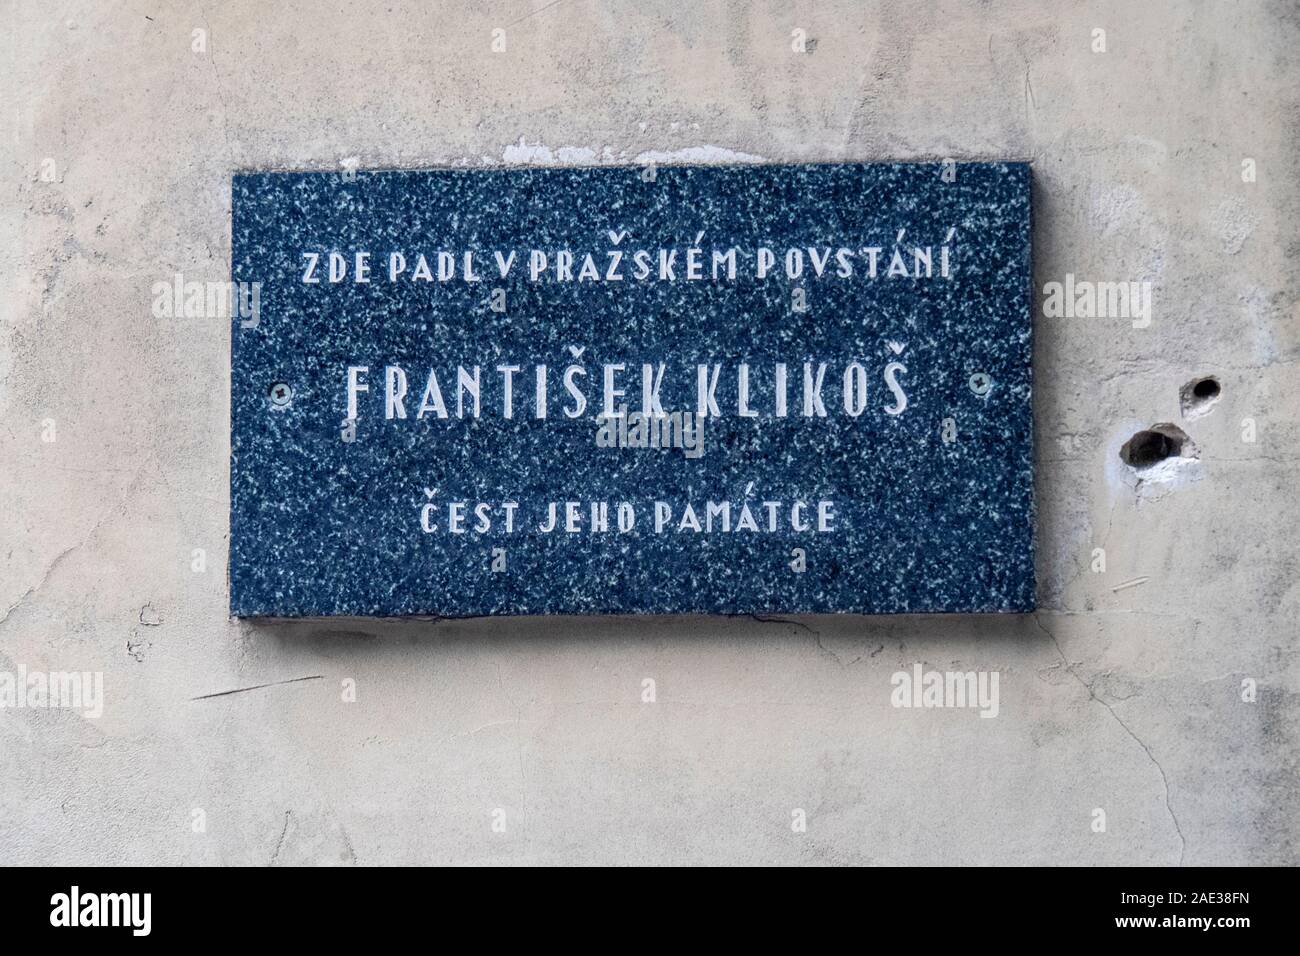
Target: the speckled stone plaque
pixel 739 389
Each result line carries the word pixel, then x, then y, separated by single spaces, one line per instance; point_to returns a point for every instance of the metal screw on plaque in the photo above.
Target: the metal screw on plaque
pixel 981 384
pixel 280 394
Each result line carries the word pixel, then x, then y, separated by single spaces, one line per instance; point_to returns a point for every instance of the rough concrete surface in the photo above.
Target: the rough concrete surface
pixel 1123 694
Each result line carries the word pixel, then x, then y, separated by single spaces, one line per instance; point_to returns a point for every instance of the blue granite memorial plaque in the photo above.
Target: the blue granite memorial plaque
pixel 734 389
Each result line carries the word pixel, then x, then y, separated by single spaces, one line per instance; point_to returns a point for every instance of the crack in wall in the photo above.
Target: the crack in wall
pixel 1069 667
pixel 58 559
pixel 244 690
pixel 279 844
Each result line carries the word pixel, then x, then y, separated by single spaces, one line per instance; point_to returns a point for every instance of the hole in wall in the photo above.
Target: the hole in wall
pixel 1153 445
pixel 1197 396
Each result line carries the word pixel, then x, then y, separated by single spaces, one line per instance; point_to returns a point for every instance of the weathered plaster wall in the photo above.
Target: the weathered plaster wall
pixel 1125 699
